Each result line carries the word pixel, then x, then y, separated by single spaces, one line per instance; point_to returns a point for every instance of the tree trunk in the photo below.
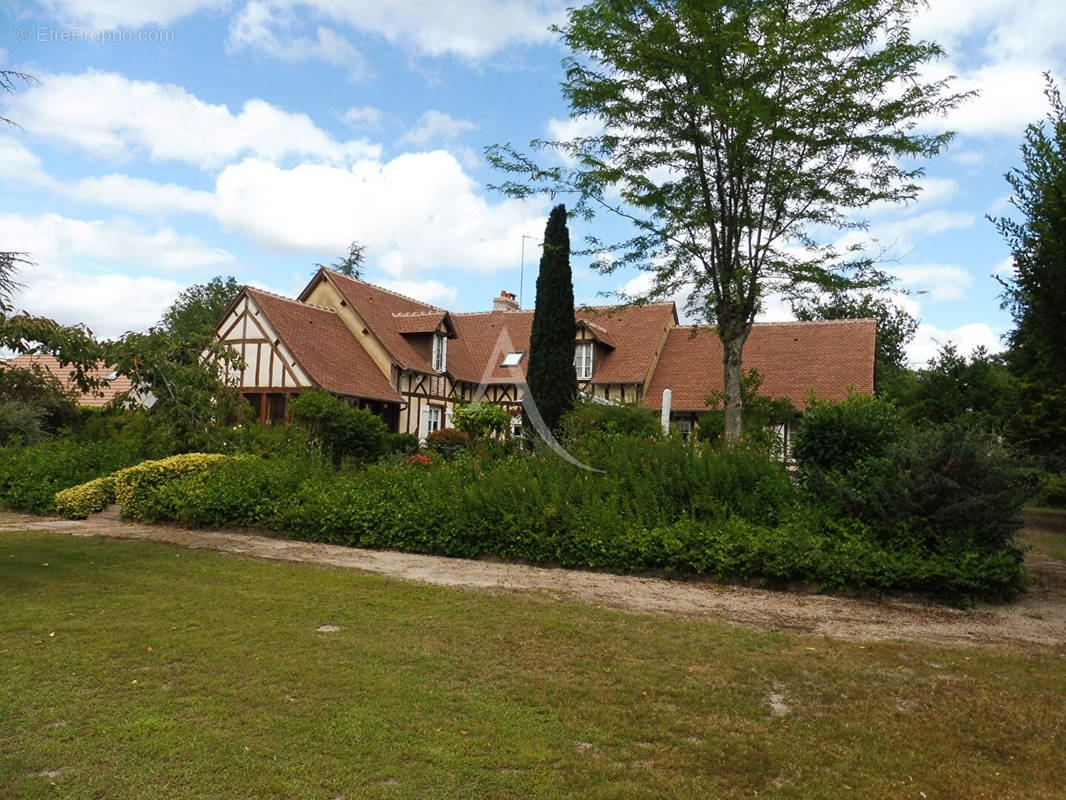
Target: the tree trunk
pixel 734 401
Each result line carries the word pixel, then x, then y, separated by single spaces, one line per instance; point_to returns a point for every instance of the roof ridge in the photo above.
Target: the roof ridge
pixel 290 299
pixel 382 289
pixel 419 313
pixel 708 326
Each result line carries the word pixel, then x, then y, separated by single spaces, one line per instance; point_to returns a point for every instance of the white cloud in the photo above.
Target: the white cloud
pixel 128 13
pixel 55 241
pixel 474 30
pixel 418 211
pixel 19 165
pixel 1010 96
pixel 110 116
pixel 929 339
pixel 108 304
pixel 436 126
pixel 940 281
pixel 428 291
pixel 364 117
pixel 261 27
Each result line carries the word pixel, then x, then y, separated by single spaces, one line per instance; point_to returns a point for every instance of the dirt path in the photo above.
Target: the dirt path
pixel 1036 620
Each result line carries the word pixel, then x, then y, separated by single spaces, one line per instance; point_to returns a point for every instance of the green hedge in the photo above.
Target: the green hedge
pixel 31 476
pixel 661 504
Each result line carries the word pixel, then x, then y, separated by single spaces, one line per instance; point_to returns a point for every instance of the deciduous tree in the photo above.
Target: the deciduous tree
pixel 1036 292
pixel 738 137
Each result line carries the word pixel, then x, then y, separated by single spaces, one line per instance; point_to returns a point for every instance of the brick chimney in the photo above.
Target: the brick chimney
pixel 505 302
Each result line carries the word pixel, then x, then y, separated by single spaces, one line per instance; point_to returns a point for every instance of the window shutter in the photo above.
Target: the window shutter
pixel 423 423
pixel 443 353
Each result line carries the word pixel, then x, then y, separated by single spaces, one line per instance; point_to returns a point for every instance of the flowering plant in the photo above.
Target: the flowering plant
pixel 420 459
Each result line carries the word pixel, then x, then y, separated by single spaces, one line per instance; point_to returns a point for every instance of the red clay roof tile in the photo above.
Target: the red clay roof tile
pixel 325 348
pixel 793 358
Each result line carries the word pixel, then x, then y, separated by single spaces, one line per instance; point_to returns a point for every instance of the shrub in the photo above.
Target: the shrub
pixel 481 419
pixel 341 430
pixel 20 424
pixel 80 501
pixel 837 435
pixel 243 490
pixel 1051 492
pixel 135 486
pixel 448 441
pixel 31 476
pixel 945 488
pixel 401 443
pixel 589 416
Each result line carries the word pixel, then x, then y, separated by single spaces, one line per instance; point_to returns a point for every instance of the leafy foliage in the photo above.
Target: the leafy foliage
pixel 762 414
pixel 20 423
pixel 835 436
pixel 550 373
pixel 588 416
pixel 31 476
pixel 341 430
pixel 1036 293
pixel 192 317
pixel 662 503
pixel 80 501
pixel 979 389
pixel 481 419
pixel 732 132
pixel 945 489
pixel 38 389
pixel 135 486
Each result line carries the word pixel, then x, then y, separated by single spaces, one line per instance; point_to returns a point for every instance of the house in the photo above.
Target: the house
pixel 111 384
pixel 411 362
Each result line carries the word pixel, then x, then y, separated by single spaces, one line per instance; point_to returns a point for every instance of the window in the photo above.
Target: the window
pixel 583 360
pixel 440 352
pixel 434 419
pixel 513 358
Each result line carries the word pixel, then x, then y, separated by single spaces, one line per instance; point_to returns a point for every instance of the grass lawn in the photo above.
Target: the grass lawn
pixel 132 669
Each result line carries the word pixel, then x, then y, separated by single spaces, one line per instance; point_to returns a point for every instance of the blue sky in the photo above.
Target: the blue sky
pixel 171 141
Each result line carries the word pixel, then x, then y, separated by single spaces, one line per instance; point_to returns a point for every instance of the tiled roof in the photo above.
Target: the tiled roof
pixel 324 347
pixel 793 358
pixel 377 307
pixel 479 336
pixel 633 331
pixel 96 398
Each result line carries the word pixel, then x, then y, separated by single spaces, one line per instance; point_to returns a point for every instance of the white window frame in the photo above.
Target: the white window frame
pixel 440 352
pixel 434 419
pixel 513 358
pixel 583 360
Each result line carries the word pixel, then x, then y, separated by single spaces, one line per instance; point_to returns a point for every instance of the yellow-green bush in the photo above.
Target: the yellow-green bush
pixel 80 501
pixel 135 485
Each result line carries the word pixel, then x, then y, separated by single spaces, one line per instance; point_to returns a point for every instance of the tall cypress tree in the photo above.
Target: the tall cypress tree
pixel 550 373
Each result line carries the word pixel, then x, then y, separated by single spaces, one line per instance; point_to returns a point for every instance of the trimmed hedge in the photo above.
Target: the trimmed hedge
pixel 662 504
pixel 80 501
pixel 31 476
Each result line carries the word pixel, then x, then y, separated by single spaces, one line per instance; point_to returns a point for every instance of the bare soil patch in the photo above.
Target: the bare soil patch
pixel 1037 619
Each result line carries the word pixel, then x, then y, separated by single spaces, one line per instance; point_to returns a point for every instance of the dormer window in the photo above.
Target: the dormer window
pixel 513 359
pixel 583 361
pixel 440 352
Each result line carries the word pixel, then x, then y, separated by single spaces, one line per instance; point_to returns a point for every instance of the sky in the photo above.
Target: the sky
pixel 167 142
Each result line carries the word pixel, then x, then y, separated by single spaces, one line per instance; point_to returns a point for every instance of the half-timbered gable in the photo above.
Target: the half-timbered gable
pixel 287 347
